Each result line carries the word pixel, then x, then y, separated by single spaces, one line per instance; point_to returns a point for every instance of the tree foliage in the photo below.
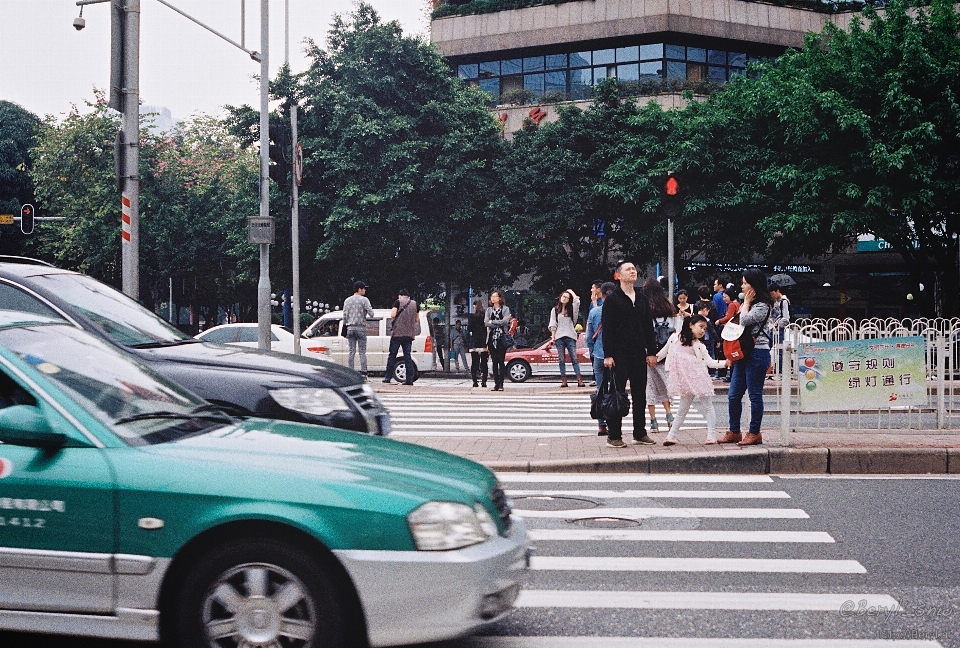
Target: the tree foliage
pixel 399 163
pixel 197 186
pixel 18 128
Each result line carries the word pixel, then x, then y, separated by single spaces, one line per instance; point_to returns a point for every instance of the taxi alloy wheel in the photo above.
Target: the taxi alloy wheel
pixel 401 368
pixel 262 593
pixel 518 371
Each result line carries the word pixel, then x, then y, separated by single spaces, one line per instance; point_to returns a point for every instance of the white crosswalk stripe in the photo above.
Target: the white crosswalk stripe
pixel 505 415
pixel 618 500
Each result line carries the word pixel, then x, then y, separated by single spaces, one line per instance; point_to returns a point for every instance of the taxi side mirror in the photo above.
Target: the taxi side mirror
pixel 24 425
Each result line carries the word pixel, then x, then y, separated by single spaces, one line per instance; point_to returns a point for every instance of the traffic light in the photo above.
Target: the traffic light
pixel 26 219
pixel 672 198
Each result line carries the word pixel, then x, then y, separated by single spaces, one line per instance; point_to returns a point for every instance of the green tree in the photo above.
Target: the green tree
pixel 869 139
pixel 197 186
pixel 399 164
pixel 18 129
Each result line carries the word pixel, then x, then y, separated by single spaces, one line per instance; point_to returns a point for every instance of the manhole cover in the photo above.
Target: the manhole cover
pixel 552 503
pixel 606 523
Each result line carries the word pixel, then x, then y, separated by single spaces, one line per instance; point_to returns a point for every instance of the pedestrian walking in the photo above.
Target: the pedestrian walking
pixel 406 326
pixel 628 347
pixel 477 332
pixel 595 344
pixel 458 343
pixel 688 369
pixel 563 332
pixel 749 373
pixel 356 310
pixel 665 324
pixel 496 320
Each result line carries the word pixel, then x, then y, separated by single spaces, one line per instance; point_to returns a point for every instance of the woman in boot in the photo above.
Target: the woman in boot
pixel 563 321
pixel 497 319
pixel 477 333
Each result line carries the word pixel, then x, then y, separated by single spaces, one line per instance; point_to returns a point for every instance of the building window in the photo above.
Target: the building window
pixel 651 70
pixel 652 51
pixel 628 54
pixel 676 70
pixel 556 82
pixel 717 74
pixel 511 66
pixel 489 69
pixel 628 72
pixel 677 52
pixel 580 59
pixel 556 61
pixel 490 86
pixel 468 71
pixel 604 57
pixel 533 83
pixel 533 64
pixel 697 54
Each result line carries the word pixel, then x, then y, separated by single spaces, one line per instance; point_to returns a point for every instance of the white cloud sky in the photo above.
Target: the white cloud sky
pixel 46 65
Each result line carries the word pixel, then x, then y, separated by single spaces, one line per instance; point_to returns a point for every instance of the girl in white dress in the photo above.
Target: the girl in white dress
pixel 688 364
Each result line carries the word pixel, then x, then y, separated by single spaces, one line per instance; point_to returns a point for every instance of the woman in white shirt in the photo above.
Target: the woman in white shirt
pixel 563 332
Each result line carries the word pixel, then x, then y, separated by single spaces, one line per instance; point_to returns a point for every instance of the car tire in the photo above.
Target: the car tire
pixel 401 369
pixel 256 592
pixel 518 371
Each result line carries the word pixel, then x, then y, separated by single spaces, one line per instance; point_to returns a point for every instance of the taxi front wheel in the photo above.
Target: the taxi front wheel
pixel 256 593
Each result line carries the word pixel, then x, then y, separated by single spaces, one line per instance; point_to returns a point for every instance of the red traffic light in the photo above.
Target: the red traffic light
pixel 672 187
pixel 26 219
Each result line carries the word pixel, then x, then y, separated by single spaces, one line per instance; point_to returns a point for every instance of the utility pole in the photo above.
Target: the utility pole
pixel 263 285
pixel 297 176
pixel 130 198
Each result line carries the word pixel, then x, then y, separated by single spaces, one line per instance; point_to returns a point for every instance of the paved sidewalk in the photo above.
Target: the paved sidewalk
pixel 907 452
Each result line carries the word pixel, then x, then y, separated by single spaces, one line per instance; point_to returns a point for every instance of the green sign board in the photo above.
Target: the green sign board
pixel 862 374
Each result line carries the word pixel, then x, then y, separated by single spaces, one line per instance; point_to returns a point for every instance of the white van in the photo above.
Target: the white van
pixel 327 336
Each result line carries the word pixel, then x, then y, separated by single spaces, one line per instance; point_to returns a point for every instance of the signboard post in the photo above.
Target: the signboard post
pixel 862 374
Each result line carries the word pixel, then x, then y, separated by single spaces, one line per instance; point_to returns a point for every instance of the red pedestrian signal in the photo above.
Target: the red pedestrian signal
pixel 672 187
pixel 26 219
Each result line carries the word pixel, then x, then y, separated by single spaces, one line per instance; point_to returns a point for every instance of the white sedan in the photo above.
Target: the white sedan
pixel 245 335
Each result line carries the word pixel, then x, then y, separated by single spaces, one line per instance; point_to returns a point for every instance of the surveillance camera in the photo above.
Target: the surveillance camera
pixel 79 23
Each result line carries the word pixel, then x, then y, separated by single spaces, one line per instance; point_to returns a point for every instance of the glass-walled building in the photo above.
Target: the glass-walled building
pixel 572 74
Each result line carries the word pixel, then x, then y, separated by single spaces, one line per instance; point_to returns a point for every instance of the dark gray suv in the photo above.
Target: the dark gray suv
pixel 243 381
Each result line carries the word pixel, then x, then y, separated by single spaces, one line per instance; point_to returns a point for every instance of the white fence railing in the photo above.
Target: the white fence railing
pixel 941 412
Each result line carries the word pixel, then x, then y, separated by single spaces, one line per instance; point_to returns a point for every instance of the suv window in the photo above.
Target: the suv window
pixel 223 335
pixel 16 300
pixel 120 318
pixel 251 334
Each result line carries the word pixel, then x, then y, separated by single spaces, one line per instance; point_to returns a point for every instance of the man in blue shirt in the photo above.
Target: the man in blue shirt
pixel 718 304
pixel 595 342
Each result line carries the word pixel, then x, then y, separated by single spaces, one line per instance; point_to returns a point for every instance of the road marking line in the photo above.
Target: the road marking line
pixel 503 435
pixel 514 477
pixel 673 535
pixel 687 494
pixel 748 601
pixel 692 642
pixel 643 513
pixel 649 564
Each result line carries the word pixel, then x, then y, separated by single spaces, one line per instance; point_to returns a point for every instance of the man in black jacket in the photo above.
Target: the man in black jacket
pixel 628 344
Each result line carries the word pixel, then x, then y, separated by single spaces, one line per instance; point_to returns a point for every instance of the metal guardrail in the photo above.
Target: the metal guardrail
pixel 939 415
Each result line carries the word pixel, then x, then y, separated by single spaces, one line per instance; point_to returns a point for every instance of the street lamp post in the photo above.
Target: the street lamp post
pixel 263 285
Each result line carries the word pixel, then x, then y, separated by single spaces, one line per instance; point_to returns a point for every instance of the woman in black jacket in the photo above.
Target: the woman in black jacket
pixel 477 332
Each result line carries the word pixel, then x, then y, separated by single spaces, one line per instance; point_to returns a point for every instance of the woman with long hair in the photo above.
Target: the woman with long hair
pixel 663 313
pixel 749 373
pixel 563 332
pixel 684 307
pixel 496 320
pixel 477 333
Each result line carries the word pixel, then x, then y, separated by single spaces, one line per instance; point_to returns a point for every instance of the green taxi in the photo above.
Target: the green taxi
pixel 132 509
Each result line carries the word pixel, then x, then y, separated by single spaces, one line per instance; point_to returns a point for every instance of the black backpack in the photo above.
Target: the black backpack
pixel 662 330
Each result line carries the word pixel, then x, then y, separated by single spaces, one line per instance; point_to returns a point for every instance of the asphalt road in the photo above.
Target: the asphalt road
pixel 831 562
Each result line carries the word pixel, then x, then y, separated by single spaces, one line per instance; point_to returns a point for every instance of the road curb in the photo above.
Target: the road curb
pixel 760 461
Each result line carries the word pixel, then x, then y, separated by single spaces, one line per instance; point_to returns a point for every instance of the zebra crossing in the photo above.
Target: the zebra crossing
pixel 592 550
pixel 502 414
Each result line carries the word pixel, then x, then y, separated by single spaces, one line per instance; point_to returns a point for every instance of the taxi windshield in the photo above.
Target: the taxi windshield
pixel 120 318
pixel 138 405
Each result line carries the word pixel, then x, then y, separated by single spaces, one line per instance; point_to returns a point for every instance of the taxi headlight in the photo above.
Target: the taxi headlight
pixel 310 400
pixel 442 526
